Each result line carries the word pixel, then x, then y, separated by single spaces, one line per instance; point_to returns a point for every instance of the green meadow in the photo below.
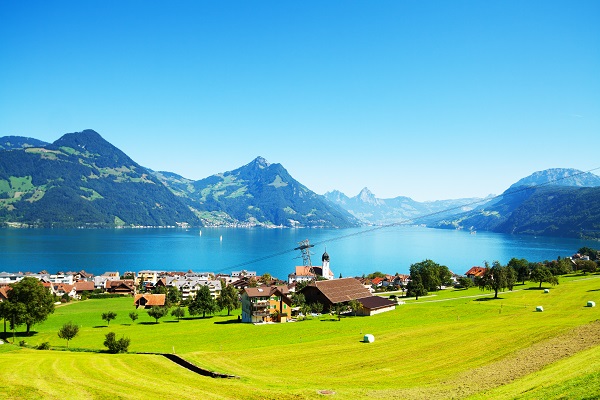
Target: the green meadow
pixel 452 344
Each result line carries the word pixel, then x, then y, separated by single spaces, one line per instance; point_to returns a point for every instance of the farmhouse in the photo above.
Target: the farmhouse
pixel 148 300
pixel 339 291
pixel 475 272
pixel 265 304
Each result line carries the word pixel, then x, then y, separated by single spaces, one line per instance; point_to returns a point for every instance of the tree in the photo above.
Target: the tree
pixel 588 251
pixel 109 316
pixel 356 306
pixel 465 282
pixel 298 299
pixel 68 332
pixel 316 307
pixel 133 315
pixel 338 309
pixel 202 303
pixel 433 275
pixel 541 273
pixel 266 278
pixel 587 266
pixel 415 287
pixel 32 302
pixel 158 312
pixel 496 278
pixel 521 267
pixel 228 299
pixel 114 345
pixel 376 274
pixel 178 313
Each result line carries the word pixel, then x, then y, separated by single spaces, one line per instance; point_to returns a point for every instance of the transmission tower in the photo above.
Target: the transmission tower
pixel 305 250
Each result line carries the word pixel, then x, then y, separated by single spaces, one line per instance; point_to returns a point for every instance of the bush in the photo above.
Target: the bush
pixel 116 346
pixel 22 343
pixel 43 346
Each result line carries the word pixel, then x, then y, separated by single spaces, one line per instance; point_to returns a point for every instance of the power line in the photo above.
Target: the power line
pixel 408 221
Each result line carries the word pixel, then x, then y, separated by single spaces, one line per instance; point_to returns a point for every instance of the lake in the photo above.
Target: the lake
pixel 353 252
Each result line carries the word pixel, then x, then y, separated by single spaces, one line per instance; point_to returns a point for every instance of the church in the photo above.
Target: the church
pixel 308 274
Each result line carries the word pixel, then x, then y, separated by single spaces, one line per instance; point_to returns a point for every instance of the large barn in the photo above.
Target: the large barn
pixel 338 291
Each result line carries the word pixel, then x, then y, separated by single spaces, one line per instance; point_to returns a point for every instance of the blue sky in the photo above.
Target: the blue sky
pixel 426 99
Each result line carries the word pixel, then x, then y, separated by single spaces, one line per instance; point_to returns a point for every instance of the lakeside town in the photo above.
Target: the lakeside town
pixel 308 289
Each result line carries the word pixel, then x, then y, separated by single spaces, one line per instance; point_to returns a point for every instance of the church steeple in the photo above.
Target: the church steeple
pixel 325 269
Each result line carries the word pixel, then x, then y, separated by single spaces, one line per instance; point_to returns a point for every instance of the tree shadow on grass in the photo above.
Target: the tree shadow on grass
pixel 594 290
pixel 488 299
pixel 330 320
pixel 229 321
pixel 170 322
pixel 147 323
pixel 9 334
pixel 100 326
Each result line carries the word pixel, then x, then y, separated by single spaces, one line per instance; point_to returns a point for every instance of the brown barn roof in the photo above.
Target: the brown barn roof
pixel 151 299
pixel 341 290
pixel 476 271
pixel 375 302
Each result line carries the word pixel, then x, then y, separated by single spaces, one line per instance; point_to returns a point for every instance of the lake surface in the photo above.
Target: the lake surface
pixel 353 252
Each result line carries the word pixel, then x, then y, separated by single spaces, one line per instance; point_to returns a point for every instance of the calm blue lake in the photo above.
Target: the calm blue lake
pixel 353 252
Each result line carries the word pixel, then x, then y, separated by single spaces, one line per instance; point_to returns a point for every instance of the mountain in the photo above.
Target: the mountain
pixel 81 180
pixel 559 177
pixel 372 210
pixel 258 193
pixel 555 202
pixel 19 142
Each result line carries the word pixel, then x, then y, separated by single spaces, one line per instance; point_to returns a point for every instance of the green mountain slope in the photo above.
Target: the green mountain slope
pixel 258 193
pixel 82 180
pixel 550 210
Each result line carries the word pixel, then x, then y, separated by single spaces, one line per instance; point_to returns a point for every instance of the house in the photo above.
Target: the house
pixel 475 272
pixel 60 289
pixel 265 304
pixel 4 293
pixel 83 286
pixel 124 287
pixel 148 300
pixel 148 276
pixel 341 291
pixel 243 273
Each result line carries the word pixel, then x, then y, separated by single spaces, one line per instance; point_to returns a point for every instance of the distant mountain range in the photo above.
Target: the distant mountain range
pixel 81 180
pixel 371 210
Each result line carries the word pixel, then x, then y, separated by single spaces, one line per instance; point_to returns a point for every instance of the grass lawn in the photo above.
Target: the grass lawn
pixel 424 349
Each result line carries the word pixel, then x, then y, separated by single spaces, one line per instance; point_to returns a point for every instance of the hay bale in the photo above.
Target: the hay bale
pixel 369 338
pixel 591 303
pixel 539 308
pixel 546 290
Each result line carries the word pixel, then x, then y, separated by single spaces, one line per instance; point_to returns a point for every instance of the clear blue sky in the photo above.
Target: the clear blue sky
pixel 426 99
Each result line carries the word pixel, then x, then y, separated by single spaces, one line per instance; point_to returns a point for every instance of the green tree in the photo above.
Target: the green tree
pixel 32 302
pixel 114 345
pixel 316 307
pixel 298 299
pixel 108 316
pixel 521 267
pixel 178 313
pixel 228 299
pixel 157 312
pixel 266 278
pixel 68 331
pixel 465 282
pixel 588 251
pixel 433 275
pixel 496 278
pixel 133 315
pixel 586 266
pixel 338 309
pixel 203 303
pixel 415 286
pixel 541 274
pixel 376 274
pixel 356 306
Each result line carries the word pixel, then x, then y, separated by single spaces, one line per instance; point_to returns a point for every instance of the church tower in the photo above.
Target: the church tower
pixel 325 269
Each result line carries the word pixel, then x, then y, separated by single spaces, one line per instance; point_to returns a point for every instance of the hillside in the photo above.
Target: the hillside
pixel 82 180
pixel 258 193
pixel 19 142
pixel 545 203
pixel 372 210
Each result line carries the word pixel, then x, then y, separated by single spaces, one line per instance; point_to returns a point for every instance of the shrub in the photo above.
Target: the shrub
pixel 44 346
pixel 116 346
pixel 22 343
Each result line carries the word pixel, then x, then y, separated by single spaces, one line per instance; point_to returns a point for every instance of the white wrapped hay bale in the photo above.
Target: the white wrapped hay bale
pixel 539 308
pixel 369 338
pixel 591 303
pixel 546 290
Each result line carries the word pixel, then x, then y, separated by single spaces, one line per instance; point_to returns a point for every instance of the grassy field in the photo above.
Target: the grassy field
pixel 455 344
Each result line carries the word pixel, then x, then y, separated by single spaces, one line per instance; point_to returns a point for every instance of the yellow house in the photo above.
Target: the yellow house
pixel 265 304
